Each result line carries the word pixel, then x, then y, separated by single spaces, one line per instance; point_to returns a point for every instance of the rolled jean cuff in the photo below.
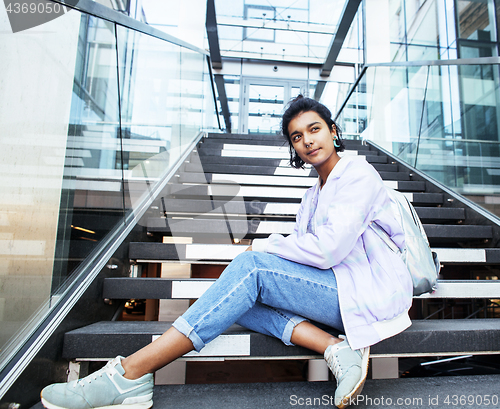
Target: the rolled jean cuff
pixel 291 324
pixel 181 325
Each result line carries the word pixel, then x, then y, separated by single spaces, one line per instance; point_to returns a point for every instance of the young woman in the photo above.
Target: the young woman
pixel 332 269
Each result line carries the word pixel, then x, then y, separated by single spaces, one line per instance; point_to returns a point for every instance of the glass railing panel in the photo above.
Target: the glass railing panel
pixel 232 84
pixel 192 66
pixel 386 106
pixel 92 190
pixel 442 119
pixel 477 50
pixel 91 119
pixel 353 115
pixel 467 160
pixel 150 110
pixel 36 92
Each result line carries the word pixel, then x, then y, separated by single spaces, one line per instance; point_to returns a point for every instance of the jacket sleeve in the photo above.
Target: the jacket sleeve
pixel 353 204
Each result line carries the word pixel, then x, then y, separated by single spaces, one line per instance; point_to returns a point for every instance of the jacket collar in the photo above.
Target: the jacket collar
pixel 338 169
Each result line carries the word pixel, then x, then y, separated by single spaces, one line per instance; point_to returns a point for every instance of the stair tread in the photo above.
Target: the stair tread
pixel 241 227
pixel 110 338
pixel 274 140
pixel 260 161
pixel 282 395
pixel 416 391
pixel 219 190
pixel 371 156
pixel 386 170
pixel 191 288
pixel 281 180
pixel 262 137
pixel 226 252
pixel 269 208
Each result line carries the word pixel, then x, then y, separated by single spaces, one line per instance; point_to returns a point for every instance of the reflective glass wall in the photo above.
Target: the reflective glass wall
pixel 410 30
pixel 441 119
pixel 93 115
pixel 277 29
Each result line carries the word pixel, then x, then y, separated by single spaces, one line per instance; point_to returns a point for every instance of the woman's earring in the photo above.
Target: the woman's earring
pixel 335 142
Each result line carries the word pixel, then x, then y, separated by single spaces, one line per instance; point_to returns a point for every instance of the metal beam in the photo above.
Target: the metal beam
pixel 277 25
pixel 254 55
pixel 213 36
pixel 350 9
pixel 320 86
pixel 221 90
pixel 212 83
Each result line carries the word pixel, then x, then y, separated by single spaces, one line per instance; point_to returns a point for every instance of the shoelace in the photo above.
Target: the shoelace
pixel 335 366
pixel 96 374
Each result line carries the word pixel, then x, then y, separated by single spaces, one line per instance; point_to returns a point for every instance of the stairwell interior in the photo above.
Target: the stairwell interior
pixel 128 191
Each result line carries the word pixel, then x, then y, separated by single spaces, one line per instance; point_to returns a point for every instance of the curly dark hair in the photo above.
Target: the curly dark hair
pixel 301 104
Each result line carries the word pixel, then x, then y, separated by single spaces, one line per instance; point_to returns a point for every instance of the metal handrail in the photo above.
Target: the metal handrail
pixel 429 138
pixel 458 61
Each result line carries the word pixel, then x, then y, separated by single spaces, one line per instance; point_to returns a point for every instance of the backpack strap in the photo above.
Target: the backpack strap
pixel 385 237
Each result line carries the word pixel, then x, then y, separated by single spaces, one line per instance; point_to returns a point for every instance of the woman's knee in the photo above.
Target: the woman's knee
pixel 242 262
pixel 248 261
pixel 247 257
pixel 254 259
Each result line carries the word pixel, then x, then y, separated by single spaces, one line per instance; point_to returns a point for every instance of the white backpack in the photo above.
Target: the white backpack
pixel 422 263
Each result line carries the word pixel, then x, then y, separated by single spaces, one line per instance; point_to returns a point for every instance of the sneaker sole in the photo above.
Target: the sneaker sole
pixel 142 405
pixel 359 386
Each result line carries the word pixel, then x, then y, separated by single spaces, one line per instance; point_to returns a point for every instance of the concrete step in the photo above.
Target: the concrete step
pixel 224 188
pixel 392 180
pixel 268 194
pixel 440 214
pixel 258 160
pixel 249 145
pixel 270 209
pixel 441 392
pixel 410 393
pixel 224 253
pixel 272 141
pixel 242 228
pixel 262 138
pixel 107 339
pixel 438 233
pixel 386 170
pixel 281 153
pixel 125 288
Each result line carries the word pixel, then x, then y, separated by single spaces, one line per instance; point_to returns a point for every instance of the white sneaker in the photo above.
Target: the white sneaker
pixel 350 368
pixel 100 390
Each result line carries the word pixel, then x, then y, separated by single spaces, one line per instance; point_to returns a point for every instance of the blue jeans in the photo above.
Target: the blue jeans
pixel 264 293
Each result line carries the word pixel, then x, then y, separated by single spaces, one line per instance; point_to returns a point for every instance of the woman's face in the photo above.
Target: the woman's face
pixel 313 140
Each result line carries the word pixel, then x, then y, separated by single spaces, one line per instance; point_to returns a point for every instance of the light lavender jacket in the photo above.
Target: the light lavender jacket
pixel 374 285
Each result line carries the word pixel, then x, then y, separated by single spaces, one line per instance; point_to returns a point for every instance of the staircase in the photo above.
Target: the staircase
pixel 235 188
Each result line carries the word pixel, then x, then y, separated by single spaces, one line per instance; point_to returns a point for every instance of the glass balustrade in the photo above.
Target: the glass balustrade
pixel 441 119
pixel 93 114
